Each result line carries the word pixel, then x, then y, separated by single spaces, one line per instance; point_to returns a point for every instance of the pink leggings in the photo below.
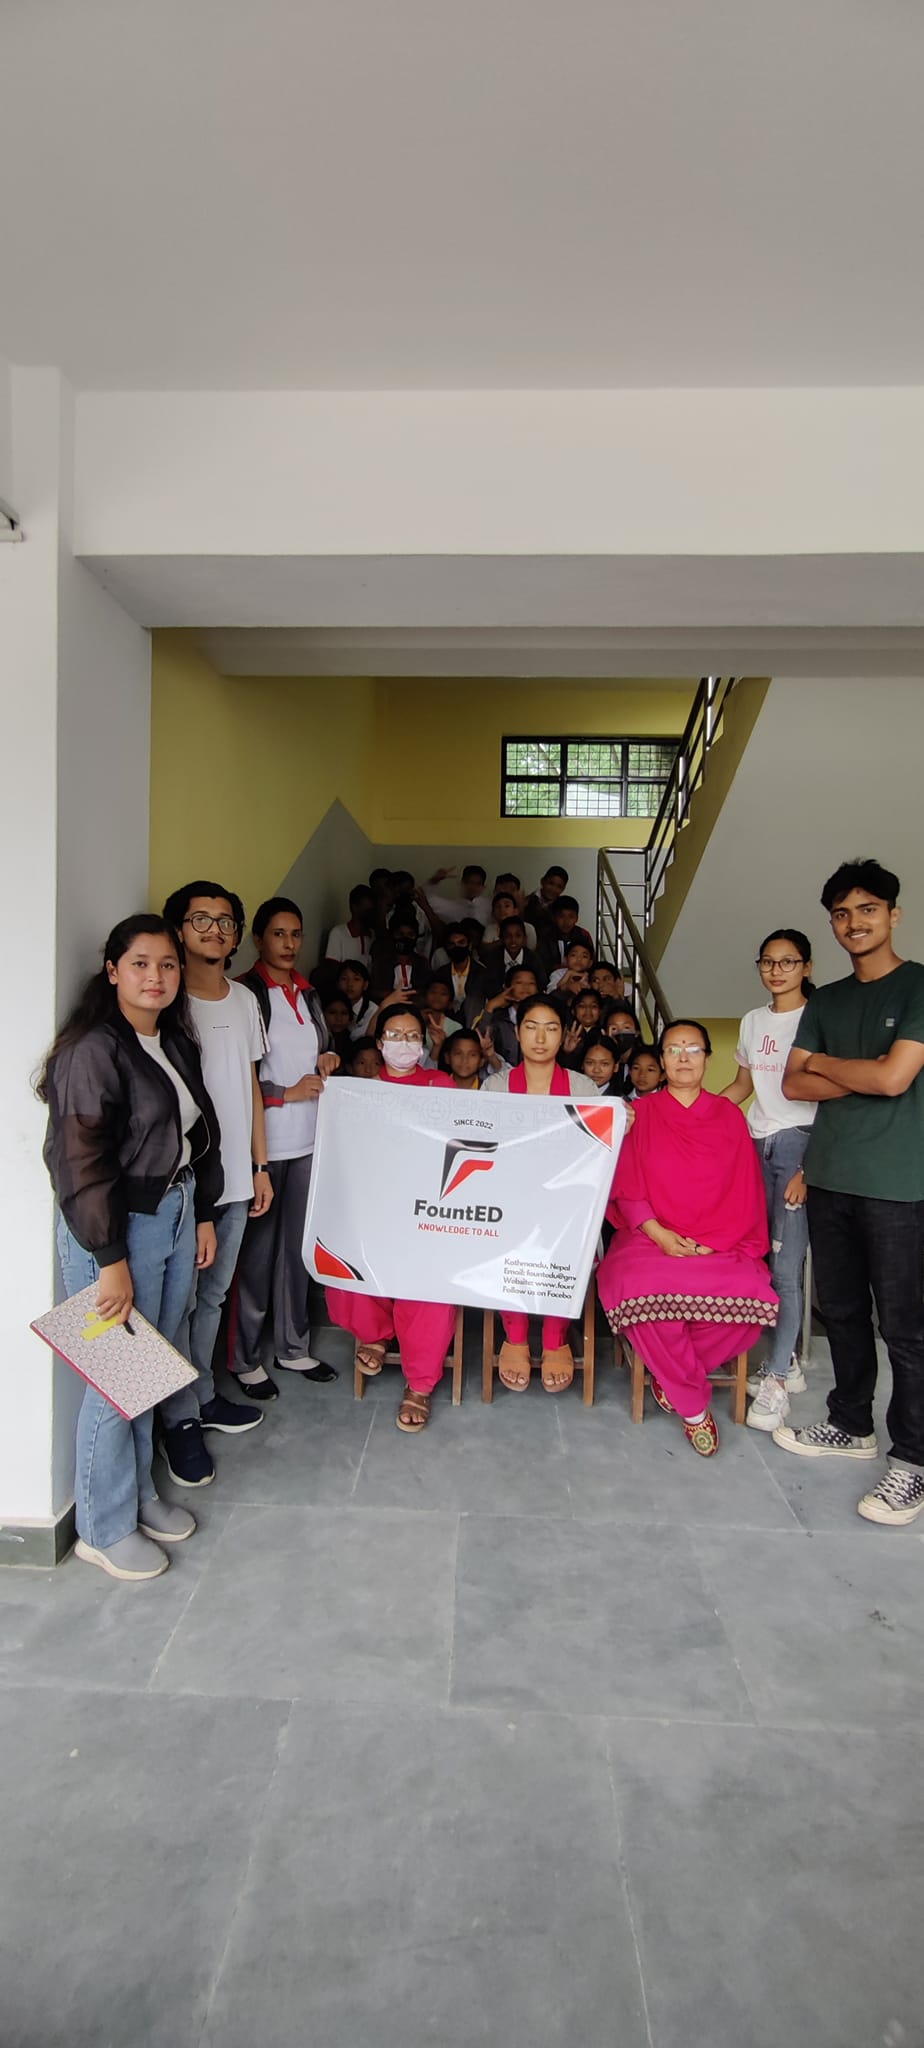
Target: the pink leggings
pixel 424 1330
pixel 554 1331
pixel 682 1355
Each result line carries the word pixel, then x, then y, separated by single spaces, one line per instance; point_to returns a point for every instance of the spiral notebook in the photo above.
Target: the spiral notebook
pixel 130 1364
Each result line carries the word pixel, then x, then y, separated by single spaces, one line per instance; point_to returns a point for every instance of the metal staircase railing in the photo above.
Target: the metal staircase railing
pixel 619 939
pixel 703 728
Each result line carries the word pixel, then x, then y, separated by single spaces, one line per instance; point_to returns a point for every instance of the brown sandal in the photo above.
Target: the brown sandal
pixel 416 1410
pixel 560 1361
pixel 514 1360
pixel 370 1359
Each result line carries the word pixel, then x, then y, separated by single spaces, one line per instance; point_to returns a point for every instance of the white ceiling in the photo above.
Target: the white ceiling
pixel 402 193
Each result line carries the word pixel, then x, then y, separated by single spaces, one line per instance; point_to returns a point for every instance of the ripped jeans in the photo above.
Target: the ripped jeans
pixel 780 1155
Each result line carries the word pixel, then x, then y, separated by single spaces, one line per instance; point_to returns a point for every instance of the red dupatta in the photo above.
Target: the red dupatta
pixel 693 1167
pixel 516 1081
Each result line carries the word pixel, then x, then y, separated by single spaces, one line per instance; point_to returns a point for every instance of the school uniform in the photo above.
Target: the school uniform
pixel 391 969
pixel 500 965
pixel 271 1276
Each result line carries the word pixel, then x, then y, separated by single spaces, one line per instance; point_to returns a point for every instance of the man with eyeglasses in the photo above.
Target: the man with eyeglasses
pixel 210 922
pixel 859 1053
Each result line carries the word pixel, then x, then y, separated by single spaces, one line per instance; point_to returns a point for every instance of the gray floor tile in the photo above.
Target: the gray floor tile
pixel 619 1470
pixel 592 1618
pixel 445 1878
pixel 775 1885
pixel 506 1456
pixel 308 1448
pixel 825 1628
pixel 126 1832
pixel 76 1627
pixel 321 1604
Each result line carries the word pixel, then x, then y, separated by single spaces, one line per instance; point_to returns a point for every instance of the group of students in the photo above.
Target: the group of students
pixel 182 1106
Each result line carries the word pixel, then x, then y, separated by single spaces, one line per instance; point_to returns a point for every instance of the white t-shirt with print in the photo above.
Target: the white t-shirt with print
pixel 765 1042
pixel 230 1034
pixel 293 1051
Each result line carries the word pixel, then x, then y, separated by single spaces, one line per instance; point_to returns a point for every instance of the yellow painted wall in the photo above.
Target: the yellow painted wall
pixel 243 770
pixel 440 746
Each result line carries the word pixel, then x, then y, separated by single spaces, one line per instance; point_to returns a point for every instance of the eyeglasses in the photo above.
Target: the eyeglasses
pixel 673 1050
pixel 202 922
pixel 766 964
pixel 402 1038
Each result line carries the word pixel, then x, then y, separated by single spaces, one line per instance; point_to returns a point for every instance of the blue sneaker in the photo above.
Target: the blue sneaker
pixel 185 1456
pixel 231 1417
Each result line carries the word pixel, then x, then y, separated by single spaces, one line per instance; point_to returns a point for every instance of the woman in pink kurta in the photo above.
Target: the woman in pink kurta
pixel 424 1329
pixel 684 1277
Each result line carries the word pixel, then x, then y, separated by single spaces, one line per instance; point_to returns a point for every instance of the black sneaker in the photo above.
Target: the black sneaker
pixel 229 1416
pixel 185 1456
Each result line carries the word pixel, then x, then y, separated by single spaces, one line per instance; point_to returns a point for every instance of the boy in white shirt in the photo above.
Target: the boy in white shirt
pixel 210 923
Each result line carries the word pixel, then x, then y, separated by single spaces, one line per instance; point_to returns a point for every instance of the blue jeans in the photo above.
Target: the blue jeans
pixel 114 1456
pixel 199 1326
pixel 780 1157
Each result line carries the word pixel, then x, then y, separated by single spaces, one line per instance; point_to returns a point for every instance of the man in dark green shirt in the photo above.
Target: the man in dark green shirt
pixel 859 1053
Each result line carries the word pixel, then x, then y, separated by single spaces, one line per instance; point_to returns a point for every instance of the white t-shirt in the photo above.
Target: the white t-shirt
pixel 293 1051
pixel 230 1034
pixel 765 1042
pixel 189 1108
pixel 341 945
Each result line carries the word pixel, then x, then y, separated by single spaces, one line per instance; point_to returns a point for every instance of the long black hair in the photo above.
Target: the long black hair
pixel 801 947
pixel 98 1001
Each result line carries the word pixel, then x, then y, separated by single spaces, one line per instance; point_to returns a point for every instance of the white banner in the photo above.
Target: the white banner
pixel 482 1200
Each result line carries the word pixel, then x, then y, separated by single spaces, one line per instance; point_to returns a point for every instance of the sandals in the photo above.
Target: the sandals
pixel 370 1359
pixel 514 1367
pixel 415 1409
pixel 558 1362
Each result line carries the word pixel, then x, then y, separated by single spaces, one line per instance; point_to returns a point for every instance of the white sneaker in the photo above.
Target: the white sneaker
pixel 796 1381
pixel 770 1405
pixel 898 1498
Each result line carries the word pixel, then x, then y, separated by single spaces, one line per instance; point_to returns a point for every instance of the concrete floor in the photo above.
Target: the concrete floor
pixel 537 1732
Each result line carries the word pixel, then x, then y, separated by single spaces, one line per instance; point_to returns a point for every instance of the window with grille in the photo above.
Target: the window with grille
pixel 584 778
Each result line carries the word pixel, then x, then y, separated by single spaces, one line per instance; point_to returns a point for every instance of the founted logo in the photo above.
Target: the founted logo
pixel 462 1158
pixel 330 1266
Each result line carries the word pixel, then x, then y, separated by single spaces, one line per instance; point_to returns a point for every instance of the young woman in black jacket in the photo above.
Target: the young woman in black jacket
pixel 134 1156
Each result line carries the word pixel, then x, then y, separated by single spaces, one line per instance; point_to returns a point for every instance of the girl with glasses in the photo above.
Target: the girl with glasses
pixel 424 1329
pixel 685 1277
pixel 781 1131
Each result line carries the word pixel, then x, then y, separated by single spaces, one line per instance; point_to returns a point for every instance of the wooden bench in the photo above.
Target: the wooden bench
pixel 454 1358
pixel 734 1375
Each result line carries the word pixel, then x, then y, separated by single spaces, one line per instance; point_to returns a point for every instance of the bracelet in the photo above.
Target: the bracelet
pixel 258 1169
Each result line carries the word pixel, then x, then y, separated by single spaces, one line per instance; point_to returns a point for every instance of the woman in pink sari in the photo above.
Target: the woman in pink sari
pixel 684 1277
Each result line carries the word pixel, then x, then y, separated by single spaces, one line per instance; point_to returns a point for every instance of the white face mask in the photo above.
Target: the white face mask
pixel 402 1057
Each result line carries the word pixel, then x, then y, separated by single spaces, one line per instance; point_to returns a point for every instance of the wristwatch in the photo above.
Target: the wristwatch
pixel 255 1168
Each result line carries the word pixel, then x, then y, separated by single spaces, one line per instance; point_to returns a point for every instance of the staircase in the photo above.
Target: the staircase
pixel 626 901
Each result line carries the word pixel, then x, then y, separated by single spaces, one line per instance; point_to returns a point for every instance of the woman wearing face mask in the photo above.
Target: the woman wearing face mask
pixel 621 1027
pixel 424 1329
pixel 540 1030
pixel 684 1277
pixel 780 1131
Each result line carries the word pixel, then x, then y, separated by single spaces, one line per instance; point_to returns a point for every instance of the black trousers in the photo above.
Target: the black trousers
pixel 271 1278
pixel 862 1250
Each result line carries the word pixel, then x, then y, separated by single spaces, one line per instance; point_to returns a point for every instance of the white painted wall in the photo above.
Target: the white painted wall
pixel 6 432
pixel 832 770
pixel 74 771
pixel 640 472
